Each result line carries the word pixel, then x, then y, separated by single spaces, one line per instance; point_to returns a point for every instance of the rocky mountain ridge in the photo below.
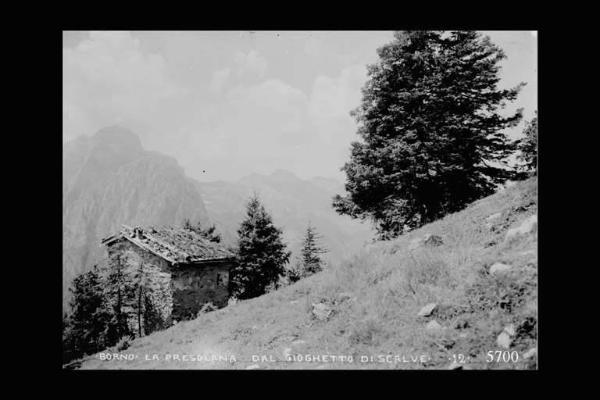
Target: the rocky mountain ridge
pixel 110 180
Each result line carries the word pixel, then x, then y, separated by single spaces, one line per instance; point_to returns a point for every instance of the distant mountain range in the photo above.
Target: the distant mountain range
pixel 110 180
pixel 293 203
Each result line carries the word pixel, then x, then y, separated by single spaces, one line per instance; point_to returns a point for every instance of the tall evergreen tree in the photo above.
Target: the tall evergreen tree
pixel 310 261
pixel 432 133
pixel 155 298
pixel 528 146
pixel 261 254
pixel 146 300
pixel 117 292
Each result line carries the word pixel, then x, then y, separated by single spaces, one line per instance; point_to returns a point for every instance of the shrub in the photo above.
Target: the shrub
pixel 123 343
pixel 505 292
pixel 364 333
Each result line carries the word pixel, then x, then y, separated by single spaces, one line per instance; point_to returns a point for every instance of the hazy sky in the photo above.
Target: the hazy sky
pixel 232 103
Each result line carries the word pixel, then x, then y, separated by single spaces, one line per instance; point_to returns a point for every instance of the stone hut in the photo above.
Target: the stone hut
pixel 198 268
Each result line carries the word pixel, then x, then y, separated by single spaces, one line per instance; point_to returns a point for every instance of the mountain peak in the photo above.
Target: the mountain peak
pixel 283 174
pixel 119 136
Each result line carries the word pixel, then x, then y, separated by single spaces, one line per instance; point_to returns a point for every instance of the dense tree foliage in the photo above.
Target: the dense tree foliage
pixel 431 128
pixel 528 146
pixel 84 330
pixel 127 298
pixel 261 254
pixel 310 261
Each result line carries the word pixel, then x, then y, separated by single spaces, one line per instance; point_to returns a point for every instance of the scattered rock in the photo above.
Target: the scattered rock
pixel 253 366
pixel 344 296
pixel 432 240
pixel 232 301
pixel 504 340
pixel 433 326
pixel 321 311
pixel 493 217
pixel 528 252
pixel 427 310
pixel 499 268
pixel 524 207
pixel 287 352
pixel 510 329
pixel 455 365
pixel 530 353
pixel 526 226
pixel 489 221
pixel 427 240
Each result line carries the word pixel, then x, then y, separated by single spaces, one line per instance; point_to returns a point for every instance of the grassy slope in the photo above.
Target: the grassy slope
pixel 376 295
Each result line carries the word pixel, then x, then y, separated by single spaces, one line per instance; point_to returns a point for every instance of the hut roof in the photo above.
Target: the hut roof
pixel 176 245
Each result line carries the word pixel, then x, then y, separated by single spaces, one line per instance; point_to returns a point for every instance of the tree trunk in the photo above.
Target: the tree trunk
pixel 140 312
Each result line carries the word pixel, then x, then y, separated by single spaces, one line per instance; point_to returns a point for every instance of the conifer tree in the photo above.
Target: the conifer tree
pixel 147 300
pixel 117 292
pixel 156 298
pixel 528 146
pixel 431 129
pixel 261 254
pixel 310 261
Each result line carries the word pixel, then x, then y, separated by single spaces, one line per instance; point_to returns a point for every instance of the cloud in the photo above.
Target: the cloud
pixel 219 79
pixel 313 47
pixel 270 124
pixel 213 98
pixel 251 63
pixel 246 67
pixel 334 97
pixel 108 78
pixel 231 119
pixel 265 116
pixel 273 95
pixel 331 101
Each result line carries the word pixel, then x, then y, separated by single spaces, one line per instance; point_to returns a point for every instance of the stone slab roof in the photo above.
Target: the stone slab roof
pixel 176 245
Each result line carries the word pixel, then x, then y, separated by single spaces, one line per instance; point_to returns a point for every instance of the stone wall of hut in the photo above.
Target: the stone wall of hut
pixel 192 286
